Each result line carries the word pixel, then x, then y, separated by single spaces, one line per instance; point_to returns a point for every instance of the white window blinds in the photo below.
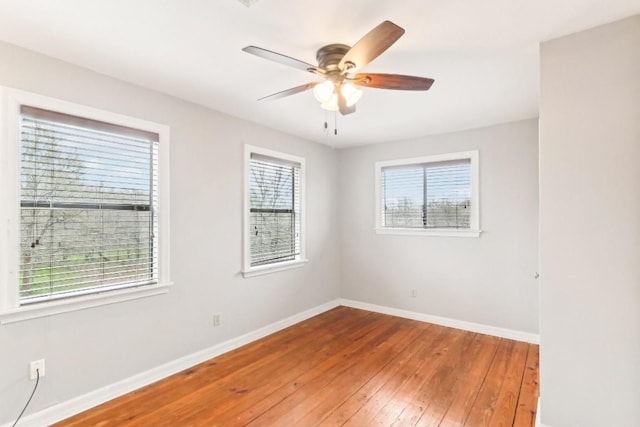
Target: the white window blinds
pixel 274 210
pixel 88 199
pixel 429 196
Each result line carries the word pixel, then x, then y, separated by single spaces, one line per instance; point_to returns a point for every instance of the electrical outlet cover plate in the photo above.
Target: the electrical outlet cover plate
pixel 36 365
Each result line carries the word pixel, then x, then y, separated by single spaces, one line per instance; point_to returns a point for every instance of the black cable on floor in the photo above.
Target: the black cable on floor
pixel 30 397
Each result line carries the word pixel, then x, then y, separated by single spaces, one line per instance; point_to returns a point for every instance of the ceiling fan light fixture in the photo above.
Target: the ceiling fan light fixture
pixel 351 94
pixel 324 91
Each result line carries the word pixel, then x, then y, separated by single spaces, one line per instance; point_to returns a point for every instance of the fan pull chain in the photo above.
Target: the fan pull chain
pixel 326 125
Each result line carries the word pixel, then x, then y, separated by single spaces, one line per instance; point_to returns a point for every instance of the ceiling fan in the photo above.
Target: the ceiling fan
pixel 338 65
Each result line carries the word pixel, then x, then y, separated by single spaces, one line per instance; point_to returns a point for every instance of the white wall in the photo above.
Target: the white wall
pixel 590 227
pixel 487 280
pixel 89 349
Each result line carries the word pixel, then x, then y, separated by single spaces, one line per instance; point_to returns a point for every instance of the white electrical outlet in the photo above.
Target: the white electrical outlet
pixel 36 367
pixel 414 293
pixel 216 320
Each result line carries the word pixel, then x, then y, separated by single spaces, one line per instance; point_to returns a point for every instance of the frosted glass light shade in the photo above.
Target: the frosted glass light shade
pixel 324 91
pixel 331 104
pixel 350 93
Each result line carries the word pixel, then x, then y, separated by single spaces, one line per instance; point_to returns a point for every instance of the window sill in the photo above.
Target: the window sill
pixel 36 310
pixel 434 233
pixel 268 269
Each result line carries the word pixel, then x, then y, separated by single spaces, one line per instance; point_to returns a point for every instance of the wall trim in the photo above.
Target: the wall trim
pixel 86 401
pixel 446 321
pixel 539 415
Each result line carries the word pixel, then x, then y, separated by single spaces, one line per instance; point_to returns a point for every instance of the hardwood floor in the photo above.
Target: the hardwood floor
pixel 344 367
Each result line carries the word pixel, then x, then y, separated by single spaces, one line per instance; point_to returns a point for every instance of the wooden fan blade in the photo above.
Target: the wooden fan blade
pixel 370 46
pixel 282 59
pixel 342 105
pixel 393 81
pixel 289 92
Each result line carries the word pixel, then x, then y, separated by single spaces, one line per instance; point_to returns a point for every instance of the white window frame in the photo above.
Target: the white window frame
pixel 10 308
pixel 247 269
pixel 473 231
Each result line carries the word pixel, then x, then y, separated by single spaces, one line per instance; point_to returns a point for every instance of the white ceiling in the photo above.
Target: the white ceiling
pixel 483 55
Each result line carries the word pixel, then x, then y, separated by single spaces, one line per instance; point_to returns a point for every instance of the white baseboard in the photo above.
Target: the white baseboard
pixel 79 404
pixel 538 414
pixel 445 321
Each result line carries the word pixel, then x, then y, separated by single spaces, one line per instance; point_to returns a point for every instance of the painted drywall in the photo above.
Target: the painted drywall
pixel 488 280
pixel 590 227
pixel 89 349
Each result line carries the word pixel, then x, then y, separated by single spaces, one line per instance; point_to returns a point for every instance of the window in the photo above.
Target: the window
pixel 436 195
pixel 87 201
pixel 274 206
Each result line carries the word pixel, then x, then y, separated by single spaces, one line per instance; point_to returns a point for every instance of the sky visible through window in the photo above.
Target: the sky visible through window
pixel 451 182
pixel 112 163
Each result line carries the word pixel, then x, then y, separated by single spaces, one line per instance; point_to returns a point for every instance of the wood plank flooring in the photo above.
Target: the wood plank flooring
pixel 344 367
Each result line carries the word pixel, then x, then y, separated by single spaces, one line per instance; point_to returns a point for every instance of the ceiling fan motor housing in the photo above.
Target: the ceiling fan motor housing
pixel 329 57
